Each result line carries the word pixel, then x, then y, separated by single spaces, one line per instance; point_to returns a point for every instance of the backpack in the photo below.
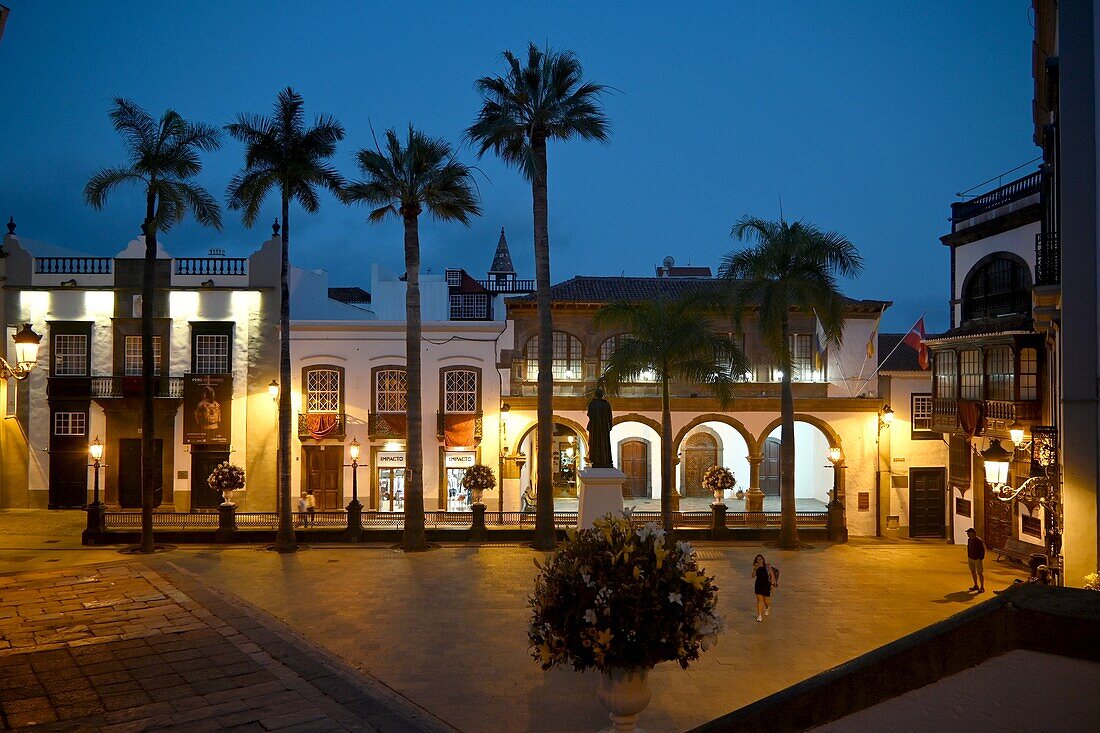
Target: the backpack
pixel 773 575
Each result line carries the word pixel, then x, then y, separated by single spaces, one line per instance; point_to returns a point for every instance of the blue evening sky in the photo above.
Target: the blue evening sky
pixel 866 117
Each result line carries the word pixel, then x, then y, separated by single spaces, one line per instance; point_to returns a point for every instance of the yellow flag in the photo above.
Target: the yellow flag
pixel 871 341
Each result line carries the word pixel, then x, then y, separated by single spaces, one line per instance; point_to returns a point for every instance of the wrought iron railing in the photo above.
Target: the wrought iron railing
pixel 507 286
pixel 386 426
pixel 211 266
pixel 72 265
pixel 1048 259
pixel 322 426
pixel 1021 188
pixel 126 386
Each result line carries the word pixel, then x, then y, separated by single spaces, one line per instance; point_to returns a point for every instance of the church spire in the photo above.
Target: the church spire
pixel 502 261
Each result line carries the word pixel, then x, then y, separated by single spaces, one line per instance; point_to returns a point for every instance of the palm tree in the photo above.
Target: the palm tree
pixel 791 267
pixel 281 153
pixel 164 158
pixel 677 341
pixel 546 99
pixel 403 181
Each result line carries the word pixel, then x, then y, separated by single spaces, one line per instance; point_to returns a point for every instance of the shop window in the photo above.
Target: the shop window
pixel 323 391
pixel 970 375
pixel 391 390
pixel 920 406
pixel 567 365
pixel 1029 374
pixel 999 376
pixel 70 423
pixel 70 355
pixel 460 391
pixel 132 357
pixel 946 375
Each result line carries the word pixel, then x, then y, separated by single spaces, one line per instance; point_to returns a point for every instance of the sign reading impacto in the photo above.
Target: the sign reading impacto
pixel 207 408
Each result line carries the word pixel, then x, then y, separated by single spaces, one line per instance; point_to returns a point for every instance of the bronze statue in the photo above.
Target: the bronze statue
pixel 599 431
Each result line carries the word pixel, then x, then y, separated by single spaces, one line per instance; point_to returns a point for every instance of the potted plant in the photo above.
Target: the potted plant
pixel 718 480
pixel 226 478
pixel 477 479
pixel 621 600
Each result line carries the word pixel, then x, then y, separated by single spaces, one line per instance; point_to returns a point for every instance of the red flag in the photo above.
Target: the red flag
pixel 915 340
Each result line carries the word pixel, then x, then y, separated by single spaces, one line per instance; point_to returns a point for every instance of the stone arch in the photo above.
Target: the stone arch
pixel 826 429
pixel 733 422
pixel 572 424
pixel 635 417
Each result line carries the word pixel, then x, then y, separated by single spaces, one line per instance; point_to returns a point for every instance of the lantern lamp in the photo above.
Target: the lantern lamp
pixel 26 348
pixel 353 450
pixel 95 450
pixel 996 461
pixel 273 390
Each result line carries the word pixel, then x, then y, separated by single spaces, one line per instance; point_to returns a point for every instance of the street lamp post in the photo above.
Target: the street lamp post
pixel 26 354
pixel 838 524
pixel 96 508
pixel 355 509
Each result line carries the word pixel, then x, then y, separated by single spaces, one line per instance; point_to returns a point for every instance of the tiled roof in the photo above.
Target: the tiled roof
pixel 349 295
pixel 903 359
pixel 587 289
pixel 1003 325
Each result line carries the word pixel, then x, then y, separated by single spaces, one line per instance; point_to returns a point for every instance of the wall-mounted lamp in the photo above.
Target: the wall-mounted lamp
pixel 273 390
pixel 1016 433
pixel 886 417
pixel 26 354
pixel 996 460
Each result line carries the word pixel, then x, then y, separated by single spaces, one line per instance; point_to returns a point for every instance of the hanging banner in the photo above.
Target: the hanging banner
pixel 207 406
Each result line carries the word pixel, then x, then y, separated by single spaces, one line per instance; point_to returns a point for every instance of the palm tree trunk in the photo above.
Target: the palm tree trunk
pixel 285 539
pixel 545 538
pixel 788 528
pixel 667 479
pixel 148 421
pixel 413 538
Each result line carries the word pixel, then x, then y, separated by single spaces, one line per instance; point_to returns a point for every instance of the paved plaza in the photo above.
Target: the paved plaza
pixel 438 638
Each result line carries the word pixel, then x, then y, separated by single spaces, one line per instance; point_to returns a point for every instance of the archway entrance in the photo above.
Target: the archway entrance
pixel 769 468
pixel 568 454
pixel 634 462
pixel 700 453
pixel 813 473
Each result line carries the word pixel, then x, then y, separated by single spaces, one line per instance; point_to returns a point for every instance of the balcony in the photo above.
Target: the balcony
pixel 508 286
pixel 386 426
pixel 211 266
pixel 121 387
pixel 322 426
pixel 72 265
pixel 997 415
pixel 1021 188
pixel 1048 259
pixel 460 432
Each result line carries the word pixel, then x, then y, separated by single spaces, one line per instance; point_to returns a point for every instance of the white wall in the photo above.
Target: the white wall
pixel 906 453
pixel 812 470
pixel 1019 241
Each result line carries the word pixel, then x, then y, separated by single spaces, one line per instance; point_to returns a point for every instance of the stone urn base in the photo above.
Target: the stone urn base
pixel 719 497
pixel 625 694
pixel 476 495
pixel 228 496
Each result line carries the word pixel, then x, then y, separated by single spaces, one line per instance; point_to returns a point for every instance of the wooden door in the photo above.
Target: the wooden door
pixel 68 474
pixel 129 472
pixel 634 462
pixel 324 471
pixel 926 502
pixel 998 521
pixel 769 468
pixel 700 453
pixel 203 463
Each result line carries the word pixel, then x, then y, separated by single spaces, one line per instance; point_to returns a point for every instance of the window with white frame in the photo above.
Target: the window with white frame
pixel 469 306
pixel 802 357
pixel 70 355
pixel 454 278
pixel 460 391
pixel 391 387
pixel 132 365
pixel 999 377
pixel 946 375
pixel 1029 374
pixel 211 353
pixel 322 390
pixel 70 423
pixel 921 413
pixel 566 365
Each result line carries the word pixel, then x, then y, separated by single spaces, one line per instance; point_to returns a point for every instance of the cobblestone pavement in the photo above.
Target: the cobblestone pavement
pixel 445 629
pixel 123 647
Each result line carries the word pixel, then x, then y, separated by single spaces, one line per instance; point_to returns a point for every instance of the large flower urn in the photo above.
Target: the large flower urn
pixel 625 694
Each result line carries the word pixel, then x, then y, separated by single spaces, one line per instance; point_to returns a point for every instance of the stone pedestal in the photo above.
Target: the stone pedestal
pixel 227 522
pixel 718 529
pixel 478 531
pixel 601 493
pixel 355 519
pixel 754 500
pixel 838 526
pixel 95 527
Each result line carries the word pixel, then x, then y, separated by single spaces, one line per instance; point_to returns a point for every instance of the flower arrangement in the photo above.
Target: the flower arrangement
pixel 478 476
pixel 616 597
pixel 1092 581
pixel 718 478
pixel 226 477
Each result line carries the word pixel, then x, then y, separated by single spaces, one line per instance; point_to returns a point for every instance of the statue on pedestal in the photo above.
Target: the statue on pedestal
pixel 599 431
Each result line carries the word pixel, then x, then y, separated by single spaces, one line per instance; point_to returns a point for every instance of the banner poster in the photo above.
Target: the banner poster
pixel 207 406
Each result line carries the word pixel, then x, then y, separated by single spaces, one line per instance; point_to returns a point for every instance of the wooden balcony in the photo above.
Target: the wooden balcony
pixel 998 415
pixel 440 424
pixel 322 426
pixel 118 387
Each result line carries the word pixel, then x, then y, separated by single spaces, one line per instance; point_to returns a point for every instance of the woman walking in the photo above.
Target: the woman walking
pixel 762 586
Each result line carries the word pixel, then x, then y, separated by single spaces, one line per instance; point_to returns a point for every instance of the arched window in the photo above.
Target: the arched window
pixel 323 390
pixel 607 348
pixel 567 365
pixel 391 387
pixel 460 391
pixel 998 287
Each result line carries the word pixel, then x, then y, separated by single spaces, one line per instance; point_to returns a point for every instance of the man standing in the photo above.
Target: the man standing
pixel 975 554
